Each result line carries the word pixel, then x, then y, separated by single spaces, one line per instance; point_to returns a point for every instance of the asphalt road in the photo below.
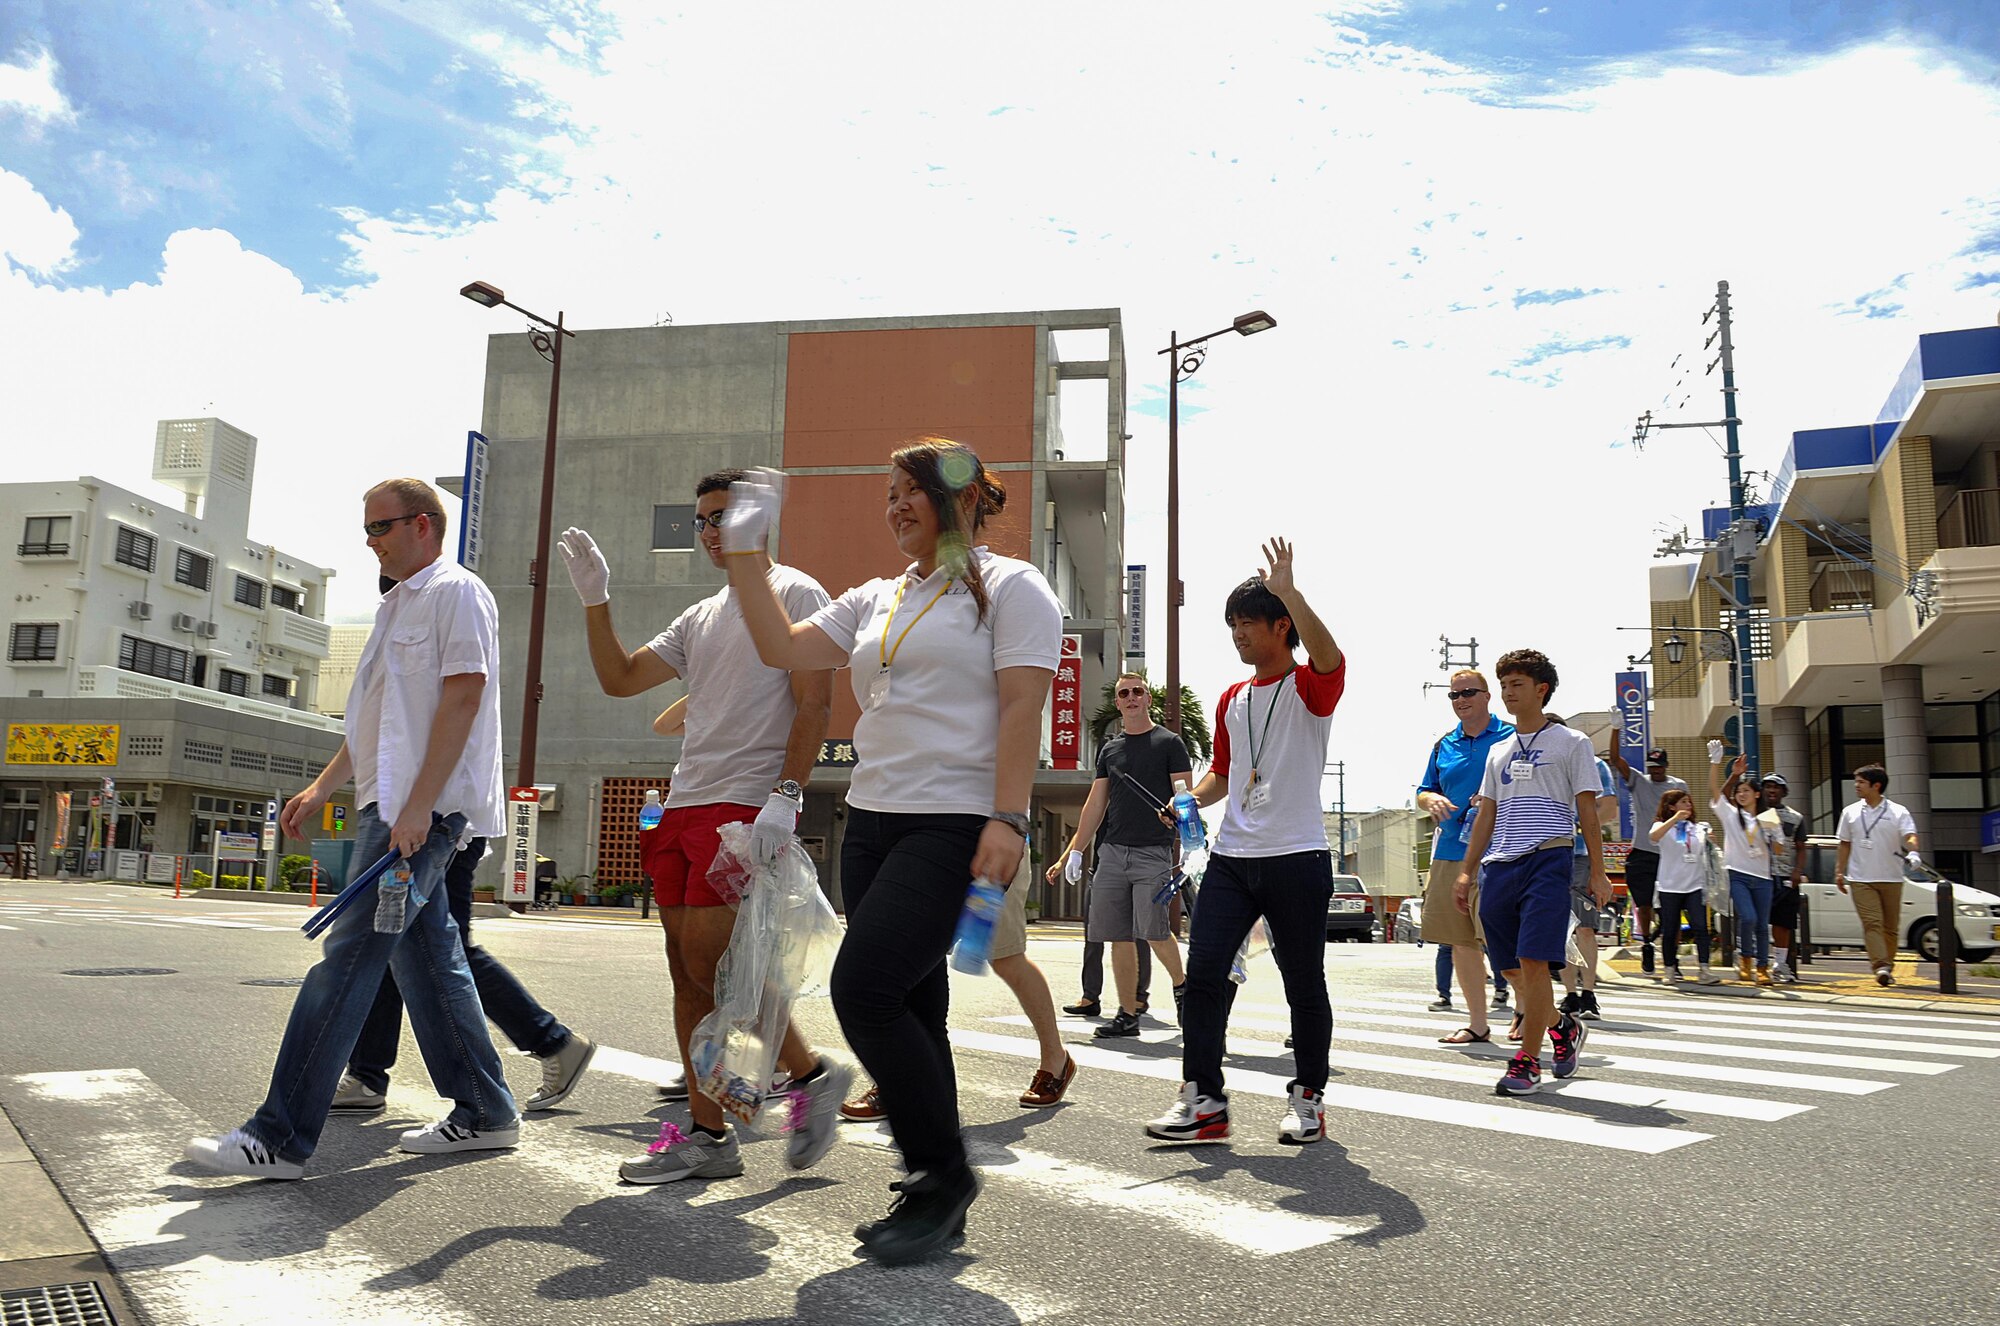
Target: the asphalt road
pixel 1709 1165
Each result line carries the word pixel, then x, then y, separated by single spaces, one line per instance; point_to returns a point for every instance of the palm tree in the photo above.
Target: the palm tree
pixel 1194 720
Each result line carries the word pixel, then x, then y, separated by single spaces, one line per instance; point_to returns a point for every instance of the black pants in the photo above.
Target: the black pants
pixel 1093 970
pixel 1671 907
pixel 1290 893
pixel 904 879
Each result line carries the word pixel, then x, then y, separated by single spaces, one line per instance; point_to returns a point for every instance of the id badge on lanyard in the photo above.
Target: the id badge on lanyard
pixel 878 689
pixel 1521 771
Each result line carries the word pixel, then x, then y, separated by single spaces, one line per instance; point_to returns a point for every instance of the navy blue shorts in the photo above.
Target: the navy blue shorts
pixel 1524 906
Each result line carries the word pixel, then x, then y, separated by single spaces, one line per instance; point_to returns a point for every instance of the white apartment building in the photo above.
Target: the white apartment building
pixel 336 674
pixel 159 646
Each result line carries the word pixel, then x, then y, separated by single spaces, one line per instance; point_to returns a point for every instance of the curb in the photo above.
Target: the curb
pixel 43 1243
pixel 1795 995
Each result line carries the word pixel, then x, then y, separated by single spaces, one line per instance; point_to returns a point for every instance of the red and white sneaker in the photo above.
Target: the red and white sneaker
pixel 1523 1077
pixel 1305 1117
pixel 1194 1118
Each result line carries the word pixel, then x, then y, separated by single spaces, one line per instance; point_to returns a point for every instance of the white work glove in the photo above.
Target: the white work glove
pixel 773 827
pixel 1714 751
pixel 1073 867
pixel 588 570
pixel 1914 861
pixel 752 511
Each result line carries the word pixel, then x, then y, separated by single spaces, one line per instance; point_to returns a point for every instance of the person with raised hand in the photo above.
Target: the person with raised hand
pixel 951 660
pixel 752 737
pixel 1746 847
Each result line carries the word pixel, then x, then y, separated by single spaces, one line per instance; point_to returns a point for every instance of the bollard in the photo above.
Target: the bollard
pixel 1802 934
pixel 315 882
pixel 1947 939
pixel 177 877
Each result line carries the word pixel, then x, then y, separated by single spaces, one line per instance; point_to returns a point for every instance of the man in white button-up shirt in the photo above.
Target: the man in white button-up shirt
pixel 423 749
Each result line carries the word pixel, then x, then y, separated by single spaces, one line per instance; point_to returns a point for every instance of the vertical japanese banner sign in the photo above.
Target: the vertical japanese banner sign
pixel 1135 612
pixel 524 808
pixel 1635 735
pixel 472 496
pixel 1066 714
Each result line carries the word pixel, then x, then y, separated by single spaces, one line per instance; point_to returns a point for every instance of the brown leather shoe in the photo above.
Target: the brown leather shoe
pixel 1047 1088
pixel 865 1108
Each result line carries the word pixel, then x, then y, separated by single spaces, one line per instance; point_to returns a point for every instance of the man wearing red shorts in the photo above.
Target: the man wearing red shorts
pixel 753 734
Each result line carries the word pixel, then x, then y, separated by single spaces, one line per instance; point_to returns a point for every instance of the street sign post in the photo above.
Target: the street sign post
pixel 524 808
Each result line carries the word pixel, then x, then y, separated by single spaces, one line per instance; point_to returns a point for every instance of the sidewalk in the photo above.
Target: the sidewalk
pixel 49 1267
pixel 1827 980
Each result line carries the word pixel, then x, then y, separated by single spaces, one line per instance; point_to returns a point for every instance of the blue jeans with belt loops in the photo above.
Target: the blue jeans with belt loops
pixel 429 962
pixel 1750 899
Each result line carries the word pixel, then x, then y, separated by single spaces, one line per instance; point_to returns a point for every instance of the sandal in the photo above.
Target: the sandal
pixel 1467 1036
pixel 1514 1032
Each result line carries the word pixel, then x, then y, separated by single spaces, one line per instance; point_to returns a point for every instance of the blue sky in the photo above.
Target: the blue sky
pixel 1487 232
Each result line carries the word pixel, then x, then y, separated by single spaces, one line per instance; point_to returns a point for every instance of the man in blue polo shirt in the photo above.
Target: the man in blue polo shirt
pixel 1451 781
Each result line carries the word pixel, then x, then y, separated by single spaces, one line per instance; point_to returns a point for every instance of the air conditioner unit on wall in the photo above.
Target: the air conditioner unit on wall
pixel 209 630
pixel 141 612
pixel 184 621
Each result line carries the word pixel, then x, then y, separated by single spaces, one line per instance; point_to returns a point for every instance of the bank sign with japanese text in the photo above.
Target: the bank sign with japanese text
pixel 1066 711
pixel 62 743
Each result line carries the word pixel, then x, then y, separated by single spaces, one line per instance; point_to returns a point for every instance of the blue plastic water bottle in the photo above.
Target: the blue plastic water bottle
pixel 974 944
pixel 1187 818
pixel 649 814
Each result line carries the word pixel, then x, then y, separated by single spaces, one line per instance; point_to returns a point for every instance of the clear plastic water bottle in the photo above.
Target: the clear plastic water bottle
pixel 649 814
pixel 1187 818
pixel 974 944
pixel 392 897
pixel 1465 820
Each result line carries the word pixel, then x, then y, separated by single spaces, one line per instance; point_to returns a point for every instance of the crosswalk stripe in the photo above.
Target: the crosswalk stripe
pixel 189 1256
pixel 1644 1139
pixel 1774 1007
pixel 1795 1034
pixel 1679 1009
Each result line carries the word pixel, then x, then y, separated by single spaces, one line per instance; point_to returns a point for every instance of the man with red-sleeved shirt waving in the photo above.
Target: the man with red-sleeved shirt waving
pixel 1270 856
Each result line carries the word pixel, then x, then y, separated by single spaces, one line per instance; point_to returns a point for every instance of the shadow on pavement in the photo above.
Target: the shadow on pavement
pixel 1324 1182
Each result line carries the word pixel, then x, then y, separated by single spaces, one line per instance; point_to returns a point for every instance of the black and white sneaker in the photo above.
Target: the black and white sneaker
pixel 1305 1117
pixel 1572 1003
pixel 1194 1118
pixel 446 1136
pixel 1125 1024
pixel 236 1152
pixel 1441 1004
pixel 1590 1011
pixel 1565 1043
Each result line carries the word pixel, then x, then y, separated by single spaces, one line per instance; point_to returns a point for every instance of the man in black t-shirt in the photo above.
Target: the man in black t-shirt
pixel 1136 772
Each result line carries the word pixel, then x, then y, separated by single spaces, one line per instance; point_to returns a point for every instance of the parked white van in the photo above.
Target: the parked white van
pixel 1834 922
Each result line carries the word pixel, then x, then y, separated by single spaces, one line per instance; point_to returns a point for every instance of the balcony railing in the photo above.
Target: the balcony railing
pixel 1841 585
pixel 1970 520
pixel 42 549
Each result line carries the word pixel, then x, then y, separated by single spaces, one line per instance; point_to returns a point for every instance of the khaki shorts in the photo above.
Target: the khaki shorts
pixel 1443 922
pixel 1010 931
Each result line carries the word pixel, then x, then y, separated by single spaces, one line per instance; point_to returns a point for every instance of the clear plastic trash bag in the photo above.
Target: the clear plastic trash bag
pixel 780 950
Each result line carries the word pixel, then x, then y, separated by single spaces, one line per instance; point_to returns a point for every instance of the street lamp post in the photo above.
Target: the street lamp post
pixel 551 347
pixel 1187 357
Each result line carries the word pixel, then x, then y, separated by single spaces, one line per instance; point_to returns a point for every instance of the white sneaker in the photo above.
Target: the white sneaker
pixel 1707 977
pixel 815 1112
pixel 1305 1117
pixel 444 1136
pixel 350 1097
pixel 236 1152
pixel 1194 1118
pixel 561 1072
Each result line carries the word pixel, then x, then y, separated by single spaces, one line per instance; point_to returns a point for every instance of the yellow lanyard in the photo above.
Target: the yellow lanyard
pixel 889 656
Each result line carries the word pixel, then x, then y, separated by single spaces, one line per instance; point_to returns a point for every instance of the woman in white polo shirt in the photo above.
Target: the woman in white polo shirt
pixel 951 662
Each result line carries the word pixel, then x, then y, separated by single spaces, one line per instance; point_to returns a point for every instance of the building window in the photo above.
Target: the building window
pixel 278 688
pixel 288 599
pixel 191 568
pixel 32 642
pixel 45 536
pixel 135 548
pixel 250 593
pixel 233 682
pixel 673 528
pixel 152 658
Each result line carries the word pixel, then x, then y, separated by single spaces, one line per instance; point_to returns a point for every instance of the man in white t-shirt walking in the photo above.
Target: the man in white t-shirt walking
pixel 1877 837
pixel 752 737
pixel 1270 857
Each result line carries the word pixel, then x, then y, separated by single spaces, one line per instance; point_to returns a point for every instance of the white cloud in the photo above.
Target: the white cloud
pixel 1385 204
pixel 29 88
pixel 34 233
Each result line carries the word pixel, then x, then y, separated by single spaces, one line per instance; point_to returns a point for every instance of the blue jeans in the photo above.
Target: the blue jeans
pixel 1290 893
pixel 507 1002
pixel 1750 899
pixel 1445 968
pixel 429 962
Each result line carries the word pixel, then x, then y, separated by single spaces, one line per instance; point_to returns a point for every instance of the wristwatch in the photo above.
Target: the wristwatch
pixel 790 788
pixel 1013 820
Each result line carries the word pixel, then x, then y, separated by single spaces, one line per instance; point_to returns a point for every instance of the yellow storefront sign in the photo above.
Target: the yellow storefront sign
pixel 62 743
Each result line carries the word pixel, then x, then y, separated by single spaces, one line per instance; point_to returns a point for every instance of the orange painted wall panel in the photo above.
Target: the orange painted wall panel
pixel 851 397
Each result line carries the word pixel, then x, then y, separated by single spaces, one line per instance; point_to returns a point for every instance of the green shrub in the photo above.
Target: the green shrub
pixel 201 879
pixel 293 870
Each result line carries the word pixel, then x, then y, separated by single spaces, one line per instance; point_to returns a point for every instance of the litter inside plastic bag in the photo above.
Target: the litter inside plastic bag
pixel 780 950
pixel 1255 945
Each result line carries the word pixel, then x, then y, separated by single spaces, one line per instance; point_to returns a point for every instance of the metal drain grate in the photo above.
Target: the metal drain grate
pixel 122 971
pixel 79 1304
pixel 275 980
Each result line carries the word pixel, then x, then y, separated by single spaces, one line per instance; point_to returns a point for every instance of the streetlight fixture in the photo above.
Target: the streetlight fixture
pixel 1187 357
pixel 550 347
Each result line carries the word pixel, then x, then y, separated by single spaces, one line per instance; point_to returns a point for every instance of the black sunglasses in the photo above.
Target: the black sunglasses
pixel 1127 692
pixel 375 529
pixel 713 522
pixel 1464 695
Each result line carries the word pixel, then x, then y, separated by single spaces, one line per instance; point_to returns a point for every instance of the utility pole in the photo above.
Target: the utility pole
pixel 1339 770
pixel 1448 664
pixel 1741 542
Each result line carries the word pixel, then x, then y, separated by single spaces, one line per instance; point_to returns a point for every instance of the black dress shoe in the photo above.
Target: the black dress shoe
pixel 1084 1008
pixel 927 1217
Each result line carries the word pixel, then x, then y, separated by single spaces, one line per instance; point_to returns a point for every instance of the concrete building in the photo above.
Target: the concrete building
pixel 336 675
pixel 1386 852
pixel 162 649
pixel 1876 612
pixel 645 412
